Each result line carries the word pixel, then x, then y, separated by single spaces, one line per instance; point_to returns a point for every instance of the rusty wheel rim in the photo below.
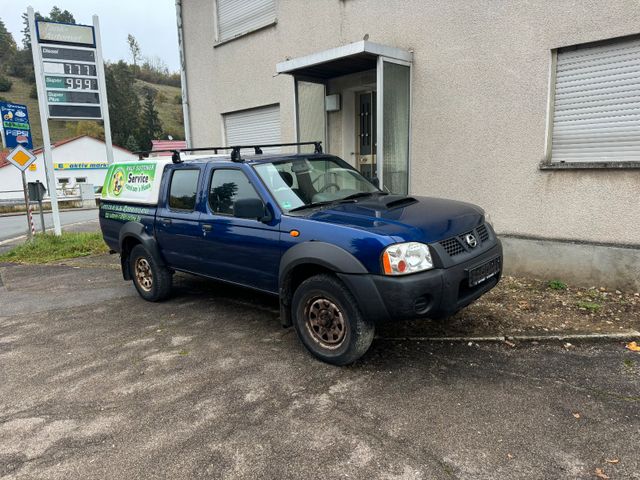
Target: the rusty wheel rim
pixel 144 276
pixel 325 322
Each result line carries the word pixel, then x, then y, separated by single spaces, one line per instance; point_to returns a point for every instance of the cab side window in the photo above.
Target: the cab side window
pixel 183 189
pixel 227 187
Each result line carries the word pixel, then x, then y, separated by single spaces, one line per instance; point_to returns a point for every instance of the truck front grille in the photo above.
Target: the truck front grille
pixel 483 233
pixel 457 245
pixel 452 246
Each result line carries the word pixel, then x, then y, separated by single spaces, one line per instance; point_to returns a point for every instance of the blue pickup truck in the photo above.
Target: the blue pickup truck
pixel 341 254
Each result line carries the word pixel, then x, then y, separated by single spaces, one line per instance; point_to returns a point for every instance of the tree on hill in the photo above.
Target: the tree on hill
pixel 124 105
pixel 134 48
pixel 151 127
pixel 8 48
pixel 131 144
pixel 91 128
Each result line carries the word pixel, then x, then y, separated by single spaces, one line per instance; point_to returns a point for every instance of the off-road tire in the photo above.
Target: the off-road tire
pixel 158 286
pixel 325 299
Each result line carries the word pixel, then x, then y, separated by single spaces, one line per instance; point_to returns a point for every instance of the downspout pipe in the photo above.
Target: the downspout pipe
pixel 183 76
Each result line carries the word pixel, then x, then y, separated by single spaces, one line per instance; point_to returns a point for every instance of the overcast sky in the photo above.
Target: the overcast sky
pixel 152 22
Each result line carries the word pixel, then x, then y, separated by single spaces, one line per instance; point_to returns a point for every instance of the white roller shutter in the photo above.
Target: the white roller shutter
pixel 258 126
pixel 236 17
pixel 597 103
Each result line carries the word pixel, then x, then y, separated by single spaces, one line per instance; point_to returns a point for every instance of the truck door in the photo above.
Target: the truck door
pixel 238 250
pixel 178 229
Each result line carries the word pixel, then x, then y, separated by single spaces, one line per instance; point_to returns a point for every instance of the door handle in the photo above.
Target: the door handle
pixel 207 227
pixel 165 221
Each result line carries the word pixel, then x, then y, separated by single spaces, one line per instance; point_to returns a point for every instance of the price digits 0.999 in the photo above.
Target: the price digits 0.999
pixel 81 83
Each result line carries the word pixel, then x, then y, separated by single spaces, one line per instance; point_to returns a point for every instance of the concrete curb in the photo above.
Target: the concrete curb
pixel 629 334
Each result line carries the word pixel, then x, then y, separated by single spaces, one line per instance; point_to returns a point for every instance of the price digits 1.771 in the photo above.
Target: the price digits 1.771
pixel 78 69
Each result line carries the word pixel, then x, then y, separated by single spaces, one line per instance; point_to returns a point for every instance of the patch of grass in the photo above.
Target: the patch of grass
pixel 183 352
pixel 589 306
pixel 47 247
pixel 628 363
pixel 557 285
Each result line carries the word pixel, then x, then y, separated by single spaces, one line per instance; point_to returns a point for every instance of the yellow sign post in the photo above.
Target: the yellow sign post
pixel 22 158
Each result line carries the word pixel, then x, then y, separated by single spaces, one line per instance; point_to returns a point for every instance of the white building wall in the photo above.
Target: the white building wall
pixel 479 101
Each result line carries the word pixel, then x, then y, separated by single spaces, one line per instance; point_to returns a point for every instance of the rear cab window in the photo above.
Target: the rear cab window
pixel 183 189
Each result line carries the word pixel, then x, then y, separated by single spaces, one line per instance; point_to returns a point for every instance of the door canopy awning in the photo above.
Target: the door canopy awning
pixel 335 62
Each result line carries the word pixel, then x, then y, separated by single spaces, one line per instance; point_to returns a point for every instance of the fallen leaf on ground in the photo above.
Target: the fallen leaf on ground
pixel 600 474
pixel 511 344
pixel 576 414
pixel 509 455
pixel 612 460
pixel 633 346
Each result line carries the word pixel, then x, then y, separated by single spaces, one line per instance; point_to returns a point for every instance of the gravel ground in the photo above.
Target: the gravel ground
pixel 520 306
pixel 98 384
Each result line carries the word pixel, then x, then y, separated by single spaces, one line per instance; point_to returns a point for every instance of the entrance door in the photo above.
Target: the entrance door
pixel 366 134
pixel 393 109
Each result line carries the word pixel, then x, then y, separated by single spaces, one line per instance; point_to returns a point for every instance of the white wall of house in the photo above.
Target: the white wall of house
pixel 82 158
pixel 482 103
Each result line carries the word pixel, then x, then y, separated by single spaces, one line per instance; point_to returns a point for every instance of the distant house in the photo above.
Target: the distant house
pixel 81 159
pixel 158 145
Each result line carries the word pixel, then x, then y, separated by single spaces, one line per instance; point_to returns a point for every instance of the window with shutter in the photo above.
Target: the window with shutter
pixel 258 126
pixel 596 114
pixel 237 17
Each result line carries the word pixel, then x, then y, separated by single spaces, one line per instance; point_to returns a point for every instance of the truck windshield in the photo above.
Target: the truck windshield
pixel 307 182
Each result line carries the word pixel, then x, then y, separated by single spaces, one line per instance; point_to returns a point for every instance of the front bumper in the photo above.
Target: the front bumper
pixel 435 293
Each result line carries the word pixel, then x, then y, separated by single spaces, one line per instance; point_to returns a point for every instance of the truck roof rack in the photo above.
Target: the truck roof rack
pixel 235 150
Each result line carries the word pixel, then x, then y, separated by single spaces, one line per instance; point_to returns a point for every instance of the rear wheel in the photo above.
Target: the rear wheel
pixel 152 281
pixel 329 322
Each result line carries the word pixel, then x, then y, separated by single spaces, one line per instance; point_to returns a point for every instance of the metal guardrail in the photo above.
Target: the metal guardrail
pixel 16 197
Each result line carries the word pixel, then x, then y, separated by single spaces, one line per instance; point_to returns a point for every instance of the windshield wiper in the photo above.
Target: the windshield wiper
pixel 312 205
pixel 347 199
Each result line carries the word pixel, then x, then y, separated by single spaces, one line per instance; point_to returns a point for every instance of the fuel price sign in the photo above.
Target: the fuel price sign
pixel 71 73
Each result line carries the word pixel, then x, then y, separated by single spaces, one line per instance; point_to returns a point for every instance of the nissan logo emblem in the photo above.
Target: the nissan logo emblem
pixel 471 240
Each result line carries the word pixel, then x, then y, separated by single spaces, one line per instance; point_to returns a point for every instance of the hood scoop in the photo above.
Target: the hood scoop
pixel 386 202
pixel 395 201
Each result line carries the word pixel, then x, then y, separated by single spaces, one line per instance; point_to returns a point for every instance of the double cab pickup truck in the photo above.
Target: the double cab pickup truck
pixel 341 254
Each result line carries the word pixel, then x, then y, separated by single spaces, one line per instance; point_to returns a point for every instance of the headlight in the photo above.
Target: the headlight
pixel 487 218
pixel 404 258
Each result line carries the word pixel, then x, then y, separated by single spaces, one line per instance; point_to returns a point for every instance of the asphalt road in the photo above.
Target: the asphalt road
pixel 16 225
pixel 97 383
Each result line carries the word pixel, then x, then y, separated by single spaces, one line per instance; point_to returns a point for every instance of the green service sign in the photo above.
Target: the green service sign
pixel 135 182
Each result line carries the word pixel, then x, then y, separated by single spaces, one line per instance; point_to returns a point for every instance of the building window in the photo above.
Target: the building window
pixel 63 181
pixel 596 104
pixel 81 179
pixel 236 18
pixel 257 126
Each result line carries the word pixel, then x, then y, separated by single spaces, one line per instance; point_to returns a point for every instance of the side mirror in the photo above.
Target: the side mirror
pixel 253 208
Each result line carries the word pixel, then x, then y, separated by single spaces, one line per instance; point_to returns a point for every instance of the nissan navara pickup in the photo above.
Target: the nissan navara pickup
pixel 341 254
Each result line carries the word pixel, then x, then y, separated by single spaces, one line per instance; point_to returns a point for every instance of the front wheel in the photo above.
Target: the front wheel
pixel 328 321
pixel 152 281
